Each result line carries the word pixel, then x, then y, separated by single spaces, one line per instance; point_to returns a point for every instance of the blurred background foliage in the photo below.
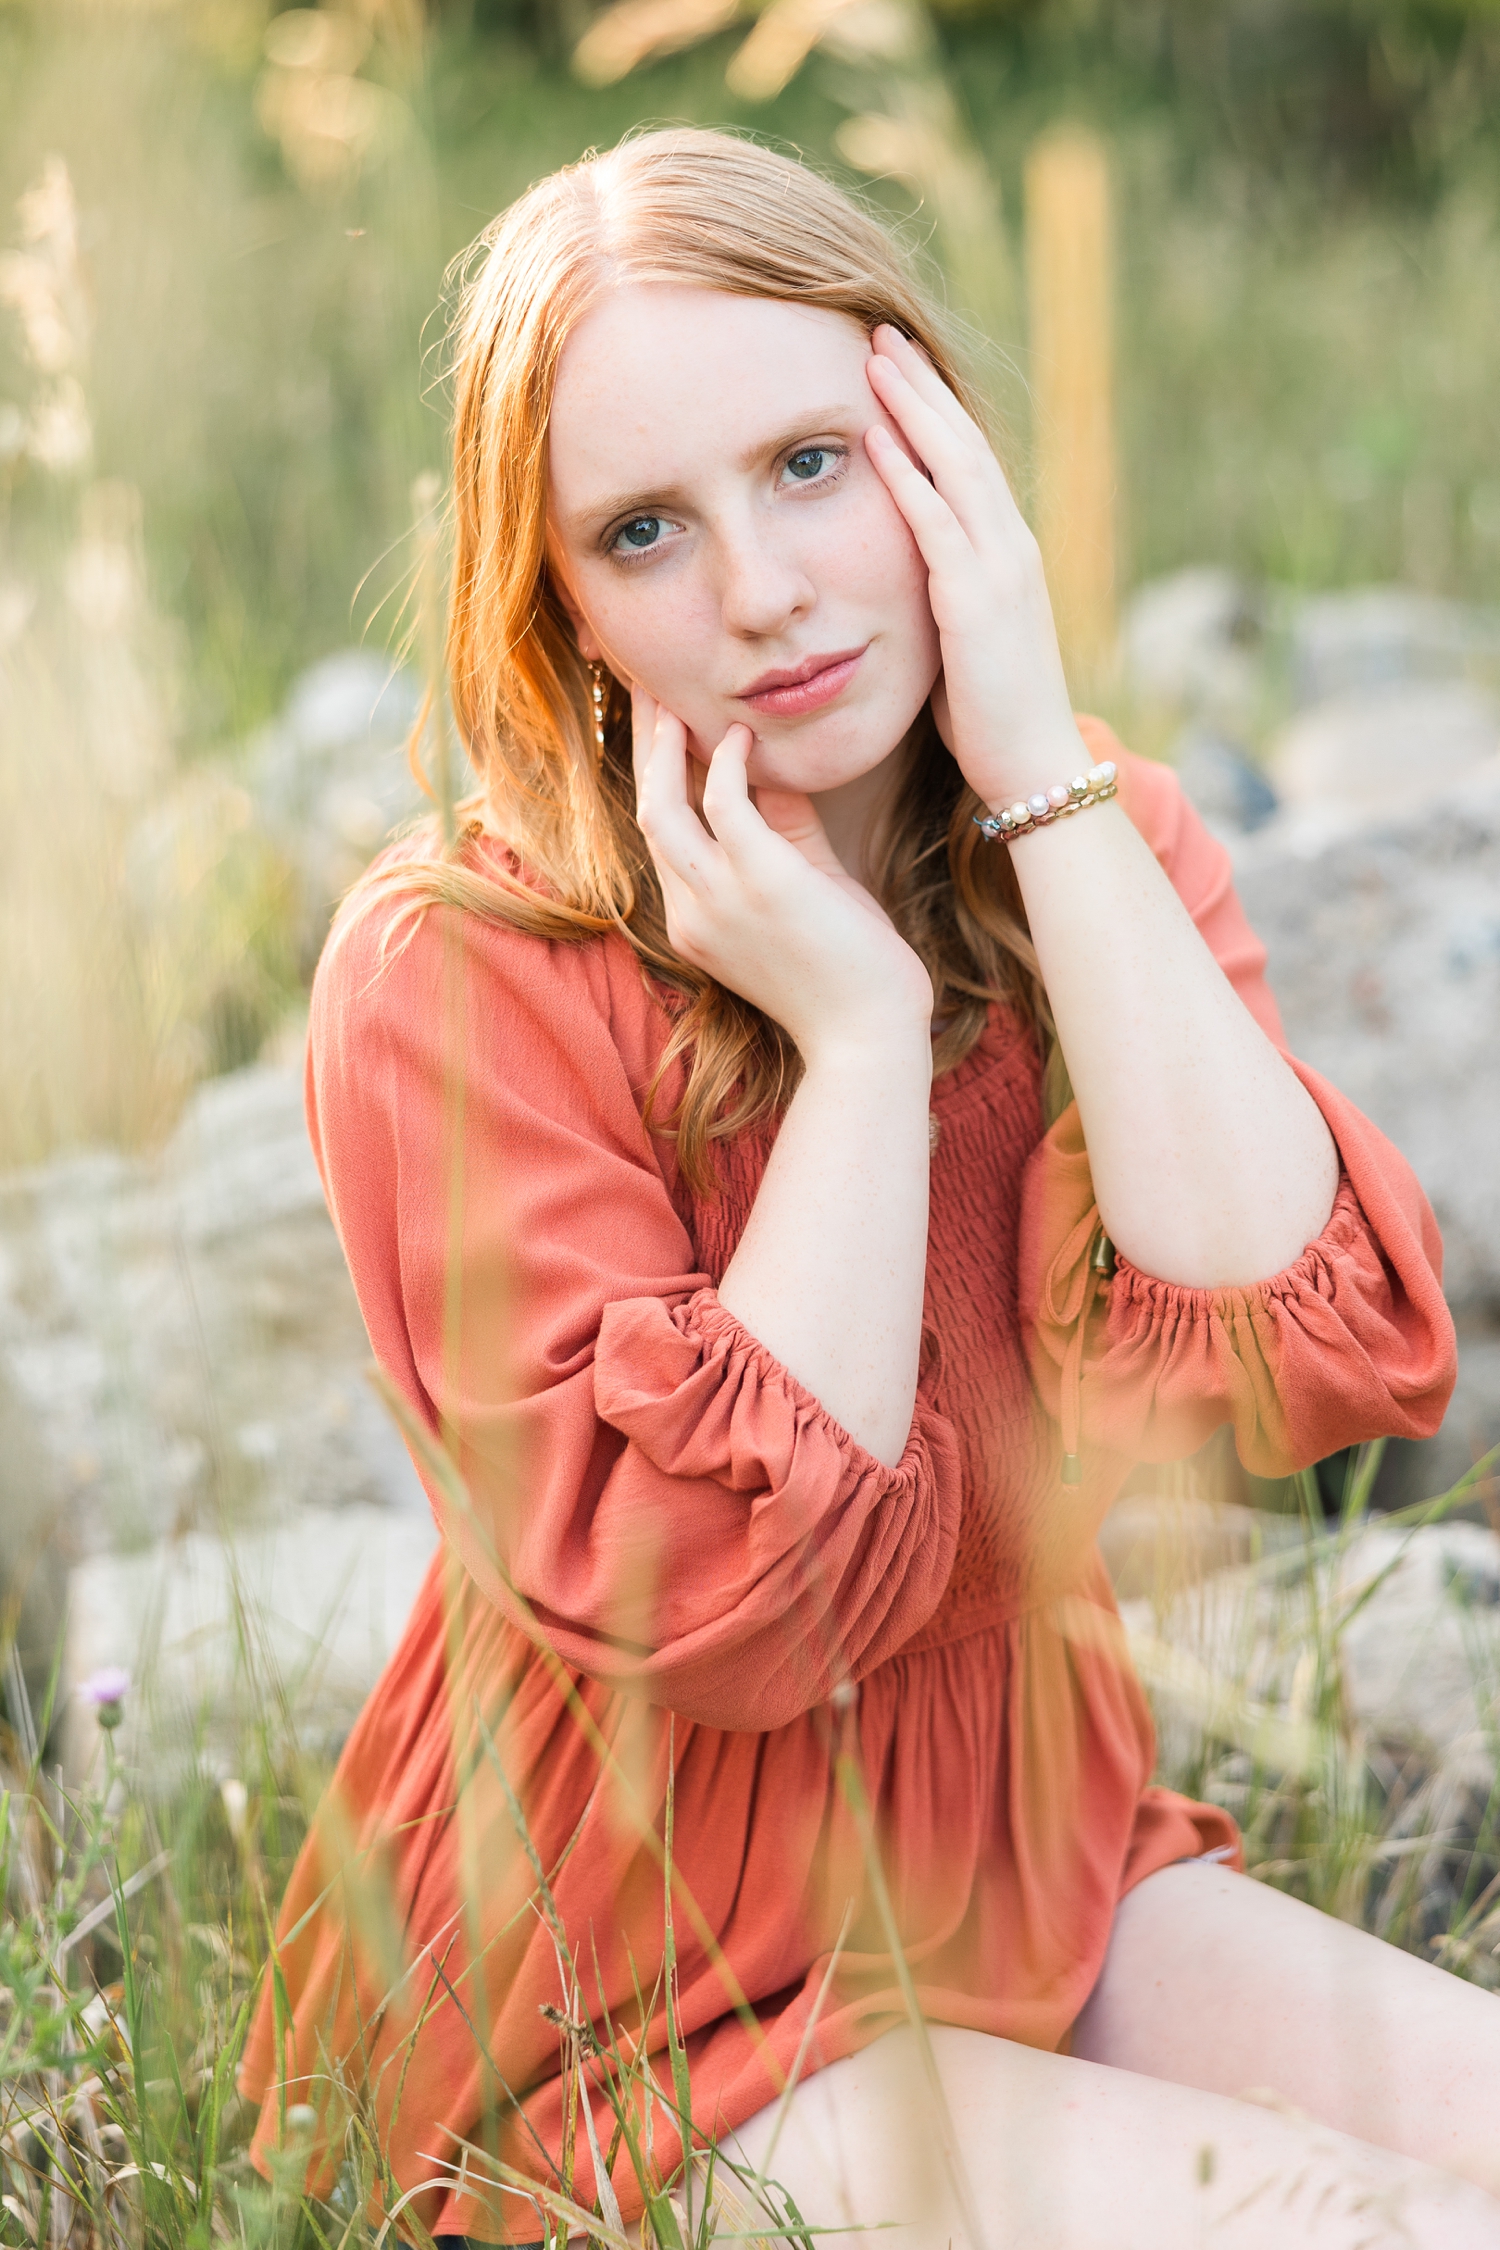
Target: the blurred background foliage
pixel 1309 299
pixel 220 373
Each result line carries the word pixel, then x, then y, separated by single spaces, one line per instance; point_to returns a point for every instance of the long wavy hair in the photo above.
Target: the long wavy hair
pixel 712 211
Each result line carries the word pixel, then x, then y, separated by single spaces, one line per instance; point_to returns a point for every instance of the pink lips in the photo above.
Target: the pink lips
pixel 807 687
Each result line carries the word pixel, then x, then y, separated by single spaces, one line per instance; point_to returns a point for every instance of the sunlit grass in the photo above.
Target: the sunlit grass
pixel 139 1917
pixel 1306 390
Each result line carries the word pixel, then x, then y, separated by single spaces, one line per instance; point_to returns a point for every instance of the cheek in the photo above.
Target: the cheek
pixel 649 631
pixel 873 558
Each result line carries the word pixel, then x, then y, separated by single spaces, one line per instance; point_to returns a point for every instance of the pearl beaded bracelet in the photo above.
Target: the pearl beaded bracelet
pixel 1095 787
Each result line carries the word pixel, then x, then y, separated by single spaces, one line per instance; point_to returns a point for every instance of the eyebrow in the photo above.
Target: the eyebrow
pixel 599 513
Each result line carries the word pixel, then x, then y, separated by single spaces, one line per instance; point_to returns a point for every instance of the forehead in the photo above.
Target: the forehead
pixel 656 379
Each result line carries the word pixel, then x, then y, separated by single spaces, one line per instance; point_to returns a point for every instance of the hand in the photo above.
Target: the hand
pixel 758 899
pixel 1002 703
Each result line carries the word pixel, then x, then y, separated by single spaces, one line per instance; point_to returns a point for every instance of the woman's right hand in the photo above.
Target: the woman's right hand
pixel 758 899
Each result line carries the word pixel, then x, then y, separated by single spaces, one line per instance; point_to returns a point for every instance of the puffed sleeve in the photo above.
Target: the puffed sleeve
pixel 1352 1341
pixel 650 1491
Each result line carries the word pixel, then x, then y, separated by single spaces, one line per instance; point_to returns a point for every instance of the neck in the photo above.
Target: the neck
pixel 851 813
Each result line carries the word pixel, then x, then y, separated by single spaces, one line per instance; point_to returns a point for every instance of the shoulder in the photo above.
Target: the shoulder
pixel 399 965
pixel 393 944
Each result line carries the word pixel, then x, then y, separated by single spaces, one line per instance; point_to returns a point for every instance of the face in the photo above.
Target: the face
pixel 721 537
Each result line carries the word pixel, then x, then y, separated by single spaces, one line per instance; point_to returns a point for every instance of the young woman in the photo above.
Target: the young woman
pixel 794 1210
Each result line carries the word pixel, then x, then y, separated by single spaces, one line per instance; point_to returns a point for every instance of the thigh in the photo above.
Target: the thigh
pixel 1216 1981
pixel 1061 2154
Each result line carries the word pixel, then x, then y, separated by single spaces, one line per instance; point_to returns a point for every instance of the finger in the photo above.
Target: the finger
pixel 793 815
pixel 961 464
pixel 944 542
pixel 727 804
pixel 942 717
pixel 643 709
pixel 925 379
pixel 937 438
pixel 680 844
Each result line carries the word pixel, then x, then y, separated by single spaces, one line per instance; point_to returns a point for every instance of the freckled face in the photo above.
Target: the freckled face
pixel 722 537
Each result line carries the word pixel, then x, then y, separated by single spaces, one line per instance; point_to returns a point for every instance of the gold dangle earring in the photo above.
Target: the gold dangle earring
pixel 597 671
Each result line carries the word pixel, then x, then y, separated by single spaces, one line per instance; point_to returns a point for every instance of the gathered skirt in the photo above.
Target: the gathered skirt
pixel 1001 1783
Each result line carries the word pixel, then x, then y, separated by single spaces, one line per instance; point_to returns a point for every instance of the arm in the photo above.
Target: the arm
pixel 650 1490
pixel 1351 1340
pixel 829 1272
pixel 1211 1163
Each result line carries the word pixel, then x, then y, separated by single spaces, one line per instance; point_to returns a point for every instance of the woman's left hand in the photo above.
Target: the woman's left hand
pixel 1008 719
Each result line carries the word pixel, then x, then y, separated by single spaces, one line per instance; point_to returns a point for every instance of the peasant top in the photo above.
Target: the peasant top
pixel 879 1720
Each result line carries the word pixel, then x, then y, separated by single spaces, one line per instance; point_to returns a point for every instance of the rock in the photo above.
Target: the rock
pixel 1422 1656
pixel 1229 790
pixel 1374 636
pixel 183 1347
pixel 1385 751
pixel 32 1559
pixel 1384 945
pixel 300 1615
pixel 1192 643
pixel 1417 1645
pixel 331 779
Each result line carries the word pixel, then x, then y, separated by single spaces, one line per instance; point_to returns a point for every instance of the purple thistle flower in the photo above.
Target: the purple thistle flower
pixel 106 1689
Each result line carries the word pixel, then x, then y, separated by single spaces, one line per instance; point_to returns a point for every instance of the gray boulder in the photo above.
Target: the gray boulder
pixel 1192 643
pixel 1373 637
pixel 331 778
pixel 1410 1618
pixel 1384 752
pixel 181 1347
pixel 1384 944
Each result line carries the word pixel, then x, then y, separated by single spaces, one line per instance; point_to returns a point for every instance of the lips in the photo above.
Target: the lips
pixel 806 686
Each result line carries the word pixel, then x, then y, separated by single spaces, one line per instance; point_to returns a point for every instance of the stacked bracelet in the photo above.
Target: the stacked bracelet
pixel 1095 787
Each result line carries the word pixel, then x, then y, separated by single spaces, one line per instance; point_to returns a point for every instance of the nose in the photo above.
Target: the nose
pixel 762 585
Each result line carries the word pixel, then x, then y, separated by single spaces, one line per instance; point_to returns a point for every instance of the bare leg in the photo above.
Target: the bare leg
pixel 1215 1981
pixel 1069 2155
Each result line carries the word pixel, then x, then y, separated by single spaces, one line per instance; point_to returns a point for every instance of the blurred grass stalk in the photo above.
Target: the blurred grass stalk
pixel 1070 298
pixel 913 130
pixel 138 1932
pixel 131 896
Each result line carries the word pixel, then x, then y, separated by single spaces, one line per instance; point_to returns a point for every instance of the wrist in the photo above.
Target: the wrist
pixel 1051 808
pixel 892 1050
pixel 1032 770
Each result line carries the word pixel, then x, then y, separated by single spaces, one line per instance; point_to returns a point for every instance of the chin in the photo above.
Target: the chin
pixel 841 748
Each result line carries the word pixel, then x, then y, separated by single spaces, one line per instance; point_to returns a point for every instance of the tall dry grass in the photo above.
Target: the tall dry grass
pixel 211 413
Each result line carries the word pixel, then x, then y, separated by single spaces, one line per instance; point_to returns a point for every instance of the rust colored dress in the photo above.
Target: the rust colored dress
pixel 674 1512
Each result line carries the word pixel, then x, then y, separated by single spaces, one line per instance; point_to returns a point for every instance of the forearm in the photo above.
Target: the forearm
pixel 1211 1164
pixel 829 1272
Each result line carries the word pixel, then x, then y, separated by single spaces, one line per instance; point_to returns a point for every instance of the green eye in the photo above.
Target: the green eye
pixel 809 463
pixel 641 531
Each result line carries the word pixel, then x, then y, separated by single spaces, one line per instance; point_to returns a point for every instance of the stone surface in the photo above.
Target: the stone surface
pixel 1192 643
pixel 181 1349
pixel 1386 752
pixel 213 1630
pixel 1417 1644
pixel 1228 788
pixel 1384 946
pixel 332 778
pixel 183 1398
pixel 1371 637
pixel 1375 882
